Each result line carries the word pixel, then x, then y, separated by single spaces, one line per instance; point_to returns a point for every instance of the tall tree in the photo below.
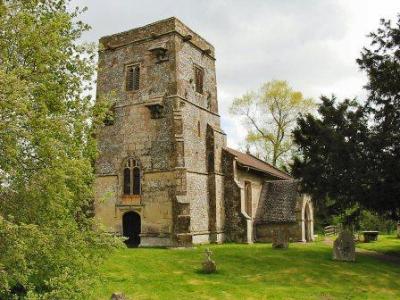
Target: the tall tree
pixel 270 115
pixel 351 152
pixel 381 62
pixel 332 166
pixel 46 152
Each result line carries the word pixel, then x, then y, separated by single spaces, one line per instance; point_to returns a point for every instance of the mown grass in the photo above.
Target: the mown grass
pixel 304 271
pixel 388 244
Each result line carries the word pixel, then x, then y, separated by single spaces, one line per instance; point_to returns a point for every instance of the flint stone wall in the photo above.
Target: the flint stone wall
pixel 170 148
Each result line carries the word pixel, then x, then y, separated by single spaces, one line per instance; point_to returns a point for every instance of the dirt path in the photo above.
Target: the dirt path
pixel 377 255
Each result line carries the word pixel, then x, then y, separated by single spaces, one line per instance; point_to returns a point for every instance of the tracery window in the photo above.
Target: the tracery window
pixel 132 180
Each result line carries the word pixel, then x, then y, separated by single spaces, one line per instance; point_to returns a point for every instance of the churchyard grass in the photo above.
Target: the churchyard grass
pixel 388 244
pixel 304 271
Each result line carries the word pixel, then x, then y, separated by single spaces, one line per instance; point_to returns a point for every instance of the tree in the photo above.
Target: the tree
pixel 332 166
pixel 48 240
pixel 351 152
pixel 270 115
pixel 381 62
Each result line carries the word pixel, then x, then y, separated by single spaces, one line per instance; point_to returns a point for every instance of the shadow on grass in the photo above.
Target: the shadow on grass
pixel 202 272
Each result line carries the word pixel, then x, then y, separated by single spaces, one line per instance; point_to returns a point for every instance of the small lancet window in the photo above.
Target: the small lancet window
pixel 132 78
pixel 198 129
pixel 136 181
pixel 198 76
pixel 136 77
pixel 127 181
pixel 132 180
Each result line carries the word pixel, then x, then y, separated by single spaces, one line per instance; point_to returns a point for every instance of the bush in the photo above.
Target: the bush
pixel 57 262
pixel 371 221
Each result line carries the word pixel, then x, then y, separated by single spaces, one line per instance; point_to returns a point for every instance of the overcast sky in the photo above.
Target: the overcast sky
pixel 311 44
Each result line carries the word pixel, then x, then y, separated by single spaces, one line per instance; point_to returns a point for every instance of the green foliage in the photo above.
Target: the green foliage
pixel 351 152
pixel 57 262
pixel 372 221
pixel 49 244
pixel 270 115
pixel 381 62
pixel 333 165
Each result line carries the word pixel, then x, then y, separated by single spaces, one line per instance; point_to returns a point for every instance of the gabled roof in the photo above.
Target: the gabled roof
pixel 252 162
pixel 278 201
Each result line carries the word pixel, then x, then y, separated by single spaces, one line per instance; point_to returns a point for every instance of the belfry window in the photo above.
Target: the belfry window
pixel 198 77
pixel 132 78
pixel 132 177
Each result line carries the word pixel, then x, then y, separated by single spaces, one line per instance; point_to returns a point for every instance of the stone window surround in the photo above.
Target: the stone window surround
pixel 132 179
pixel 126 67
pixel 197 67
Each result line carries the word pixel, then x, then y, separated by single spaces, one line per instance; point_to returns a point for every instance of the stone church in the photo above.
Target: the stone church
pixel 164 175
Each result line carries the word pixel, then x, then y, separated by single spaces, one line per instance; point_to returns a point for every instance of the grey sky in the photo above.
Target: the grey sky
pixel 312 44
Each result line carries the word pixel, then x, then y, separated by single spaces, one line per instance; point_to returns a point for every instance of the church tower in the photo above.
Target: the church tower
pixel 159 180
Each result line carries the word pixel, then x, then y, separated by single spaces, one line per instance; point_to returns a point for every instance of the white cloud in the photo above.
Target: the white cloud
pixel 312 44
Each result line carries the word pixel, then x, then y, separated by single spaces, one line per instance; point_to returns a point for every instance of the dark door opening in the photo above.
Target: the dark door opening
pixel 131 225
pixel 307 225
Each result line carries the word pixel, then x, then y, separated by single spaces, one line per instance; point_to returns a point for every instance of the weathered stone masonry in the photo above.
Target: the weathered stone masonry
pixel 187 187
pixel 163 125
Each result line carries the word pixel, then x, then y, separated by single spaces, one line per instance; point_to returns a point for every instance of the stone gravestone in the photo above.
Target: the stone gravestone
pixel 118 296
pixel 344 247
pixel 280 238
pixel 209 265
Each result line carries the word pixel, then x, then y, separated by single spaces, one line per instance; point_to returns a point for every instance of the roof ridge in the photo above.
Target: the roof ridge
pixel 261 161
pixel 271 165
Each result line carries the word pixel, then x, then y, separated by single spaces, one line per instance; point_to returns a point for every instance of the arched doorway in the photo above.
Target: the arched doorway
pixel 308 222
pixel 131 225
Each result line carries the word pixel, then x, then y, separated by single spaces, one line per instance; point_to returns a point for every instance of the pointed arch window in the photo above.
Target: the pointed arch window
pixel 132 180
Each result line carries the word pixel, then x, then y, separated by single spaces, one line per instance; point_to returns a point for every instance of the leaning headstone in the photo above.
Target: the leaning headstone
pixel 280 238
pixel 344 247
pixel 118 296
pixel 209 266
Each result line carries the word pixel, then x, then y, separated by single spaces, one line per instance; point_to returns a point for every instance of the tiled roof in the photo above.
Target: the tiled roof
pixel 278 201
pixel 257 164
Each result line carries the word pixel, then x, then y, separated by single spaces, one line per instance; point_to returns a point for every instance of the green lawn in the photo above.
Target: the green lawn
pixel 388 244
pixel 305 271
